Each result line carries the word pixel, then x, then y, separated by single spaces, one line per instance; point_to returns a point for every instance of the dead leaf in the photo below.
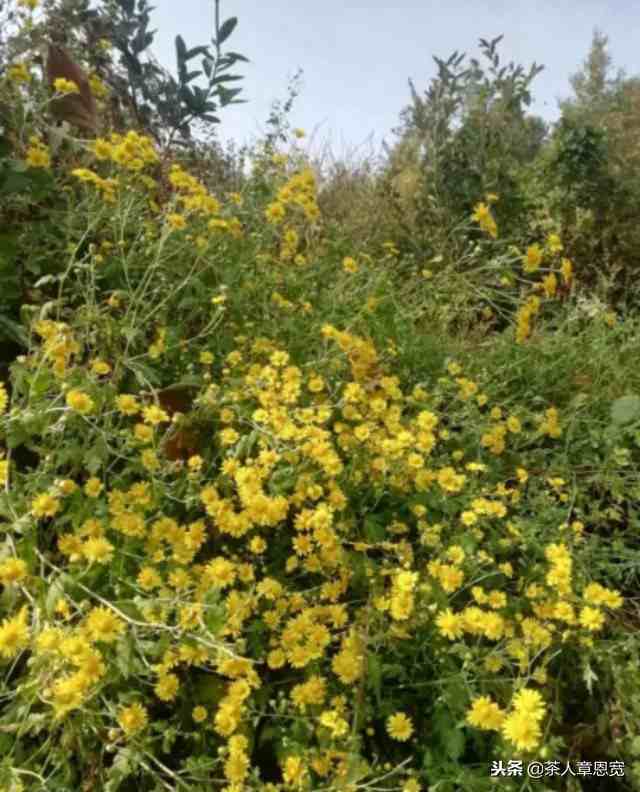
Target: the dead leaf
pixel 77 108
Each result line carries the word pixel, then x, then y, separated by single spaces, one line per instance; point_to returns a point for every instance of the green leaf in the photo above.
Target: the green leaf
pixel 124 658
pixel 374 530
pixel 16 434
pixel 374 676
pixel 227 78
pixel 227 29
pixel 18 166
pixel 455 743
pixel 589 676
pixel 448 733
pixel 625 409
pixel 144 372
pixel 14 182
pixel 127 6
pixel 235 56
pixel 191 76
pixel 5 146
pixel 196 51
pixel 13 331
pixel 181 50
pixel 96 456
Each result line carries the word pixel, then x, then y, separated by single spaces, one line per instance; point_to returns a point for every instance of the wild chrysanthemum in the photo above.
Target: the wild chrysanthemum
pixel 133 718
pixel 98 549
pixel 485 714
pixel 12 570
pixel 399 727
pixel 522 730
pixel 44 505
pixel 529 702
pixel 79 401
pixel 103 625
pixel 591 618
pixel 14 634
pixel 450 624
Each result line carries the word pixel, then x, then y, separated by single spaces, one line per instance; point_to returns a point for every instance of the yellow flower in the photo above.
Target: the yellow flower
pixel 148 578
pixel 30 4
pixel 347 665
pixel 195 463
pixel 176 221
pixel 293 770
pixel 199 714
pixel 482 215
pixel 100 367
pixel 79 401
pixel 550 425
pixel 98 88
pixel 12 570
pixel 449 480
pixel 68 693
pixel 513 424
pixel 554 243
pixel 44 505
pixel 93 487
pixel 399 727
pixel 14 634
pixel 276 659
pixel 533 258
pixel 97 548
pixel 127 404
pixel 103 625
pixel 530 703
pixel 550 284
pixel 591 618
pixel 331 720
pixel 522 730
pixel 38 157
pixel 167 687
pixel 143 433
pixel 62 85
pixel 485 714
pixel 275 213
pixel 449 624
pixel 349 264
pixel 19 73
pixel 133 718
pixel 228 437
pixel 154 415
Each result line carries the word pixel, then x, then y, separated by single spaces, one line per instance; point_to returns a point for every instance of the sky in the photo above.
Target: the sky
pixel 357 57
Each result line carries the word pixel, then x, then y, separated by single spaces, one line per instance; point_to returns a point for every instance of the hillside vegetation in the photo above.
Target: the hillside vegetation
pixel 315 474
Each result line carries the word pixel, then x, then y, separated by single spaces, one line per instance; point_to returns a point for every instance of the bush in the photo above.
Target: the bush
pixel 285 506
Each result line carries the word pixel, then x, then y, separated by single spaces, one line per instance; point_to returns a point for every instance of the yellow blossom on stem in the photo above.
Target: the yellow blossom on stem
pixel 399 727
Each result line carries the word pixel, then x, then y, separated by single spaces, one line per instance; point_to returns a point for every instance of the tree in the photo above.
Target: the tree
pixel 474 135
pixel 593 86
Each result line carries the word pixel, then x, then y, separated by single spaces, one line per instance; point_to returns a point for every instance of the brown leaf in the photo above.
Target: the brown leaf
pixel 177 398
pixel 77 108
pixel 182 444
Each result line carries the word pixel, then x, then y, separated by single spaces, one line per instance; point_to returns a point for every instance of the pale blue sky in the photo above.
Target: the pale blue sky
pixel 357 56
